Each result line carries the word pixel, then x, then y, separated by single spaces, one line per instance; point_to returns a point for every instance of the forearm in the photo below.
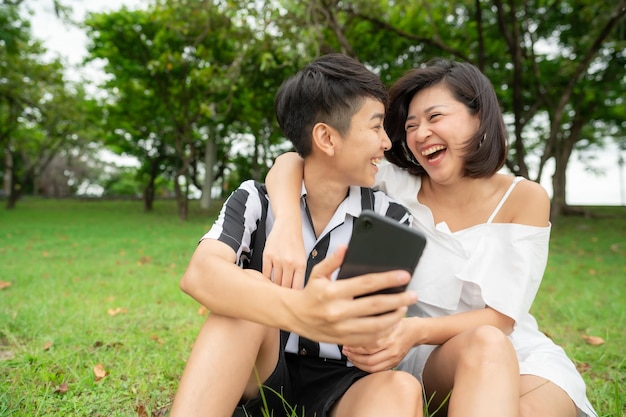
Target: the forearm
pixel 438 330
pixel 226 289
pixel 284 256
pixel 284 182
pixel 326 310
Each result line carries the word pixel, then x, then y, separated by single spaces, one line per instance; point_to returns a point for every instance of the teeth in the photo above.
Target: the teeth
pixel 376 161
pixel 432 150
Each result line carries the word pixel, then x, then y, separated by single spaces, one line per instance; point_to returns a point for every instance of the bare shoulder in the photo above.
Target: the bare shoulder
pixel 529 204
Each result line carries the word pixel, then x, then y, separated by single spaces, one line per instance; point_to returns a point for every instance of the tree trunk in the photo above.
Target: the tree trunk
pixel 559 203
pixel 37 183
pixel 565 147
pixel 183 207
pixel 148 196
pixel 14 190
pixel 181 199
pixel 12 200
pixel 8 167
pixel 558 196
pixel 149 191
pixel 210 157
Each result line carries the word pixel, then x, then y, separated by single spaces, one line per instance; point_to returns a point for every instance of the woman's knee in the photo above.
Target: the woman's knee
pixel 488 344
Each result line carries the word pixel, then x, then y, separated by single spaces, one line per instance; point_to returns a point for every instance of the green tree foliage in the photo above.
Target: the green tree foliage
pixel 189 79
pixel 41 114
pixel 191 83
pixel 135 119
pixel 558 66
pixel 14 43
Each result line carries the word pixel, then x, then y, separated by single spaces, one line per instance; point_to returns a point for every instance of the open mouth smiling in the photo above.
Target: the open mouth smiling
pixel 433 152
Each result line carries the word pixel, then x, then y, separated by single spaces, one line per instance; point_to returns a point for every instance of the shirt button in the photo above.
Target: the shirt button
pixel 314 253
pixel 302 352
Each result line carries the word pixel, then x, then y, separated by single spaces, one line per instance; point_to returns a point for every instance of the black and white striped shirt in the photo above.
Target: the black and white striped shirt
pixel 238 225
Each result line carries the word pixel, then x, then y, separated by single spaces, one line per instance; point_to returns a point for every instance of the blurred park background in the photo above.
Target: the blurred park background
pixel 173 98
pixel 119 141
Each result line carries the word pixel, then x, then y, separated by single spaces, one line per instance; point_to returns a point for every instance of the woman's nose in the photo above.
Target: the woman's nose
pixel 422 132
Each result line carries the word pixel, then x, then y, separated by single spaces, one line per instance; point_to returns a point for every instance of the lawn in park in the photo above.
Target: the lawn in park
pixel 92 322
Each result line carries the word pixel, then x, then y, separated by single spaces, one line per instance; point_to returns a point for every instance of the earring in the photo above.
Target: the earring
pixel 482 140
pixel 409 155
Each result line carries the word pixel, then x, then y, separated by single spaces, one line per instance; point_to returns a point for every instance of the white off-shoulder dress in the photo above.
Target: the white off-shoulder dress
pixel 492 264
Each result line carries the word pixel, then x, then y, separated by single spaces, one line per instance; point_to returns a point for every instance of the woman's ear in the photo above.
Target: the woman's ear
pixel 324 138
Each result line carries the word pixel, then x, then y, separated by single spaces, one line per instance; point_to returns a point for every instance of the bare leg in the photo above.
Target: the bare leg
pixel 388 393
pixel 220 369
pixel 480 368
pixel 540 397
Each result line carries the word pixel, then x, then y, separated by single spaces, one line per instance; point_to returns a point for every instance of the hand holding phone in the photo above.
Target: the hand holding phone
pixel 380 244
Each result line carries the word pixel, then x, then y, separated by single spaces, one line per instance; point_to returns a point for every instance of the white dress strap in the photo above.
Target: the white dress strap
pixel 504 198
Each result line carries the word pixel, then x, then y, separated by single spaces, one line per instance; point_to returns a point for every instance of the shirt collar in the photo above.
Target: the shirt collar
pixel 350 206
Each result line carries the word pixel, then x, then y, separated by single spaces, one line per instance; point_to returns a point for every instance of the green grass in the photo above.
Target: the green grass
pixel 584 294
pixel 70 262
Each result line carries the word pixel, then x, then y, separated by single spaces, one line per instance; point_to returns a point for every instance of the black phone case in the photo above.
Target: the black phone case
pixel 380 244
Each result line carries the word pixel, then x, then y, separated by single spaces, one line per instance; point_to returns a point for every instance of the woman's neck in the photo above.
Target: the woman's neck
pixel 461 205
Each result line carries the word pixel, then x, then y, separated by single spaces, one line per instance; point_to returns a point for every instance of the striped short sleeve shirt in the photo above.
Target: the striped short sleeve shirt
pixel 239 222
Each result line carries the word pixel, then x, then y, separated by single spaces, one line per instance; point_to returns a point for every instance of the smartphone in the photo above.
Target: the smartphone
pixel 380 244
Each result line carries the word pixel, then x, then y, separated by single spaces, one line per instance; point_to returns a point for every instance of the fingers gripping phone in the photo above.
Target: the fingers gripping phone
pixel 380 244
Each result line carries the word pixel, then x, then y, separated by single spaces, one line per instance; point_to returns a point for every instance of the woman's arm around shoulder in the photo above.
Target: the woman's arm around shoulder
pixel 284 257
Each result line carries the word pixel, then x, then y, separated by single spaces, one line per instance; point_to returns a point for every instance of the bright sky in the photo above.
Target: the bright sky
pixel 67 40
pixel 583 187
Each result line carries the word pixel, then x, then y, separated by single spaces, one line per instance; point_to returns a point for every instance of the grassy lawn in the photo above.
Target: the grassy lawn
pixel 93 322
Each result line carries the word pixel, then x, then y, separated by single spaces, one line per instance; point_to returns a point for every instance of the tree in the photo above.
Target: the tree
pixel 190 79
pixel 39 111
pixel 550 61
pixel 57 127
pixel 173 67
pixel 269 57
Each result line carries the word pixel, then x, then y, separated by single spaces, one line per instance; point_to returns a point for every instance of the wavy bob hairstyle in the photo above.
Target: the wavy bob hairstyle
pixel 485 151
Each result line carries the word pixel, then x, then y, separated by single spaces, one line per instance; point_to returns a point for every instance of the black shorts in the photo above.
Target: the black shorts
pixel 305 385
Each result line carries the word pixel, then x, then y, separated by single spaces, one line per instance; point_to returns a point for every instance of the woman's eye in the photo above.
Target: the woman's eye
pixel 433 116
pixel 410 128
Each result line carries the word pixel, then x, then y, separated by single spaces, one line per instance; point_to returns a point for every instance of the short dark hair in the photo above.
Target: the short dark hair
pixel 485 151
pixel 331 89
